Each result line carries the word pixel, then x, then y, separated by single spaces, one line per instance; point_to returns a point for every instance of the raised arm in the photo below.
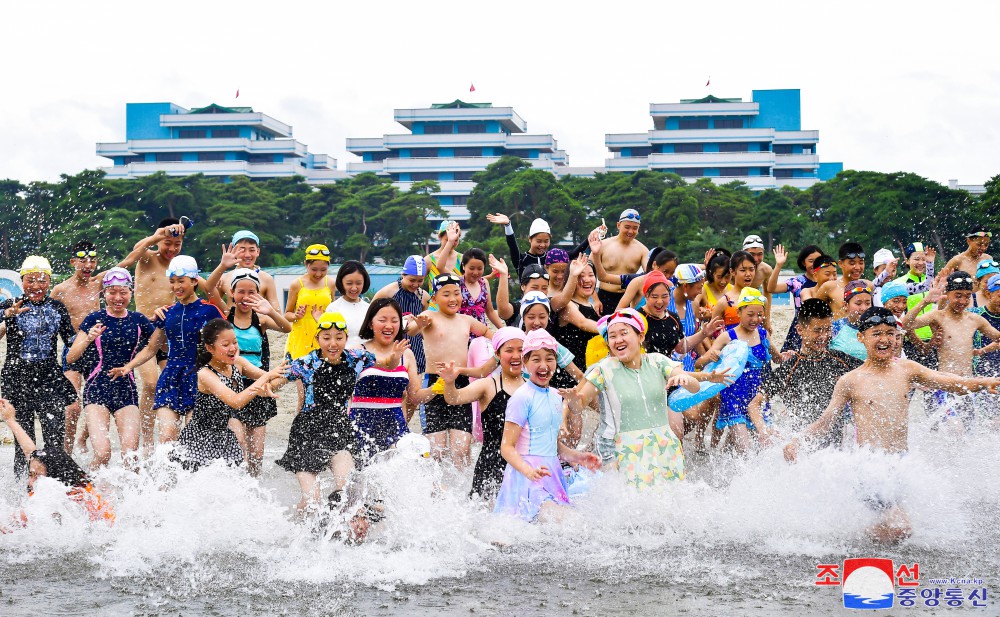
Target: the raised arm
pixel 780 257
pixel 476 391
pixel 560 301
pixel 714 353
pixel 508 232
pixel 952 383
pixel 504 308
pixel 142 247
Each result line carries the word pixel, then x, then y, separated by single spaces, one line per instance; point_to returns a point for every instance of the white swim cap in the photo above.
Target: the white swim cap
pixel 539 226
pixel 414 445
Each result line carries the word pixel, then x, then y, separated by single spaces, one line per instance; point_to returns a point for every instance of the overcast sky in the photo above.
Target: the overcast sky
pixel 890 85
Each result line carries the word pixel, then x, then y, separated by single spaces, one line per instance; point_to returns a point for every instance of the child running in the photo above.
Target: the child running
pixel 307 297
pixel 492 394
pixel 858 299
pixel 117 335
pixel 690 282
pixel 533 485
pixel 743 269
pixel 352 282
pixel 989 361
pixel 322 436
pixel 476 302
pixel 794 285
pixel 221 393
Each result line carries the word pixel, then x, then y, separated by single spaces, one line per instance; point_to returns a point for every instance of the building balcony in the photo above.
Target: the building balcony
pixel 799 183
pixel 796 137
pixel 324 161
pixel 682 110
pixel 617 141
pixel 287 147
pixel 366 144
pixel 463 163
pixel 757 183
pixel 256 119
pixel 710 159
pixel 710 136
pixel 447 140
pixel 360 167
pixel 533 142
pixel 785 161
pixel 216 168
pixel 504 115
pixel 627 163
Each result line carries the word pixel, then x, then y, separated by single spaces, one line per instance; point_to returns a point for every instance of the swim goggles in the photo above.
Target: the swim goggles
pixel 822 262
pixel 630 215
pixel 532 298
pixel 445 279
pixel 874 320
pixel 537 275
pixel 323 252
pixel 853 256
pixel 967 280
pixel 244 274
pixel 979 234
pixel 750 296
pixel 117 277
pixel 854 289
pixel 753 242
pixel 988 264
pixel 332 320
pixel 82 254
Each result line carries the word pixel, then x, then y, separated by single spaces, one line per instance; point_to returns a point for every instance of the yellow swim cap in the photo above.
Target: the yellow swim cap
pixel 750 295
pixel 332 320
pixel 317 252
pixel 33 264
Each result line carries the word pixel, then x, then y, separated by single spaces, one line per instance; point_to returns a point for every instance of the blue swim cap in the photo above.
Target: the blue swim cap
pixel 893 290
pixel 245 234
pixel 993 284
pixel 415 266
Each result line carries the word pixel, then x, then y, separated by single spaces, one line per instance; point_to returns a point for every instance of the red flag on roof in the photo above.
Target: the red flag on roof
pixel 237 93
pixel 472 87
pixel 708 82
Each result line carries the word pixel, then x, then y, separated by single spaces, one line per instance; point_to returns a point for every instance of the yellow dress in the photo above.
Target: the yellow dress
pixel 302 338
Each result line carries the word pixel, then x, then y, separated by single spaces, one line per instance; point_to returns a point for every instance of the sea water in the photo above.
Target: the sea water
pixel 740 536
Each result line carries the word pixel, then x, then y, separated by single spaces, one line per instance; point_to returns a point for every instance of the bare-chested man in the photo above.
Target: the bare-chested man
pixel 621 255
pixel 852 268
pixel 879 395
pixel 955 327
pixel 968 261
pixel 754 245
pixel 151 256
pixel 446 339
pixel 246 246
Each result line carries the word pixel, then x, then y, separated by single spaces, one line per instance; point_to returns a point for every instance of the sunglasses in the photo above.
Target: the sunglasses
pixel 326 325
pixel 82 254
pixel 322 252
pixel 980 234
pixel 889 320
pixel 854 256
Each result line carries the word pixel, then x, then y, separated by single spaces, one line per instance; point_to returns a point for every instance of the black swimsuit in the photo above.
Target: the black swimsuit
pixel 488 474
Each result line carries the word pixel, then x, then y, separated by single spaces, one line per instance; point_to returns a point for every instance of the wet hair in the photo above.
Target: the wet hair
pixel 806 251
pixel 83 245
pixel 350 267
pixel 471 254
pixel 719 260
pixel 367 332
pixel 61 466
pixel 849 247
pixel 739 257
pixel 208 335
pixel 814 308
pixel 167 222
pixel 659 256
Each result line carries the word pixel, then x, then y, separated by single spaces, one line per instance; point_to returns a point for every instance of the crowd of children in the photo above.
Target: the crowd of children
pixel 610 326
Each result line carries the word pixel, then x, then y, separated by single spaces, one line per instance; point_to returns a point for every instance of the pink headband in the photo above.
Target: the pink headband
pixel 505 334
pixel 628 317
pixel 537 340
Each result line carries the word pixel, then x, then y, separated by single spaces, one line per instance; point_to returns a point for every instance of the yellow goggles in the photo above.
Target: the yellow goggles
pixel 326 324
pixel 82 254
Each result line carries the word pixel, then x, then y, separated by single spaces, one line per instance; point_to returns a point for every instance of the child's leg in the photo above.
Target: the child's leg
pixel 460 444
pixel 73 411
pixel 740 437
pixel 128 422
pixel 240 430
pixel 147 373
pixel 99 420
pixel 309 487
pixel 255 449
pixel 439 444
pixel 170 424
pixel 341 464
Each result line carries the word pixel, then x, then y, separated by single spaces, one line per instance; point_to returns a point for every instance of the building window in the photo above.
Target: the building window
pixel 784 173
pixel 782 148
pixel 764 171
pixel 735 147
pixel 460 200
pixel 260 158
pixel 224 133
pixel 468 151
pixel 126 160
pixel 728 123
pixel 417 176
pixel 464 175
pixel 437 129
pixel 211 156
pixel 690 172
pixel 423 153
pixel 191 133
pixel 380 156
pixel 733 172
pixel 472 127
pixel 168 157
pixel 688 148
pixel 765 146
pixel 641 152
pixel 693 123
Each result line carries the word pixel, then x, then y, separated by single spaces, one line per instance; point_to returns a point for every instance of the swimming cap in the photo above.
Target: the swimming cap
pixel 317 252
pixel 689 273
pixel 753 241
pixel 629 317
pixel 750 296
pixel 533 271
pixel 504 334
pixel 987 266
pixel 602 326
pixel 959 281
pixel 822 261
pixel 556 256
pixel 916 247
pixel 537 340
pixel 332 320
pixel 117 277
pixel 993 284
pixel 245 234
pixel 875 316
pixel 183 265
pixel 539 226
pixel 630 215
pixel 857 287
pixel 244 274
pixel 532 298
pixel 882 257
pixel 979 232
pixel 652 279
pixel 443 227
pixel 414 445
pixel 415 266
pixel 892 290
pixel 33 264
pixel 445 279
